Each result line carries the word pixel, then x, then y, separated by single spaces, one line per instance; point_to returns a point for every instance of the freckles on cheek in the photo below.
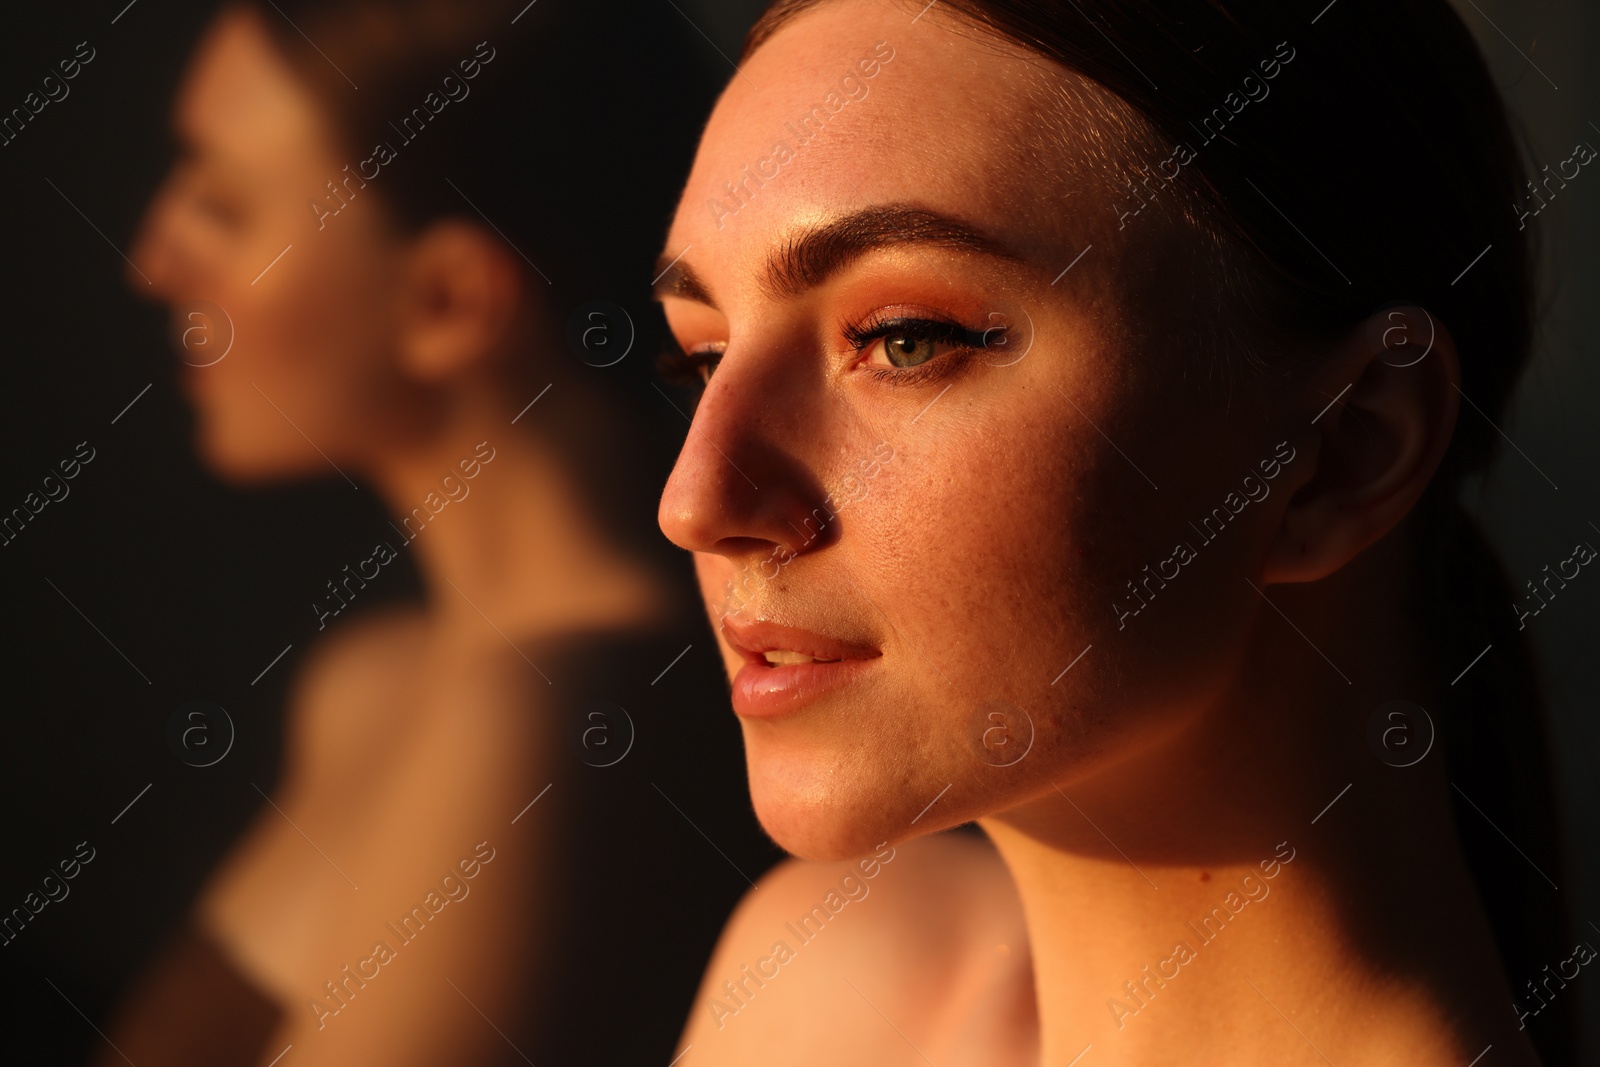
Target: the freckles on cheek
pixel 985 528
pixel 931 535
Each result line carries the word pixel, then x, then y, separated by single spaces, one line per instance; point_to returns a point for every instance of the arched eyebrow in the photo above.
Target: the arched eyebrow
pixel 676 278
pixel 816 253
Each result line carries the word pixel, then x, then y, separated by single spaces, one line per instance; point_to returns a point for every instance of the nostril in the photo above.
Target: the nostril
pixel 149 265
pixel 735 547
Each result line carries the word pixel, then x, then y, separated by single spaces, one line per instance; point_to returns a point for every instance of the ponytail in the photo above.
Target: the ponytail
pixel 1495 739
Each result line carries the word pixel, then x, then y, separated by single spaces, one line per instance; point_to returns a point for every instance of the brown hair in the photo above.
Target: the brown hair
pixel 1390 126
pixel 572 140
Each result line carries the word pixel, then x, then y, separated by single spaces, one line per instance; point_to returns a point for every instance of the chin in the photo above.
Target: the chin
pixel 237 463
pixel 843 806
pixel 824 836
pixel 826 794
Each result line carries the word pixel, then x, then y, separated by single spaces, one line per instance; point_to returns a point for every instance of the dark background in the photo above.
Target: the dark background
pixel 200 586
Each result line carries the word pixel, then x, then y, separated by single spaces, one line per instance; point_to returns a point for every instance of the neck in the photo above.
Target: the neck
pixel 503 535
pixel 1262 888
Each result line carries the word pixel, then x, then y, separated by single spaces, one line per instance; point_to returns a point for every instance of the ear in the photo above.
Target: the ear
pixel 1393 387
pixel 460 299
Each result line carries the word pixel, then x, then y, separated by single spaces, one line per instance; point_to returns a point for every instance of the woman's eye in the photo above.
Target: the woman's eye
pixel 703 362
pixel 691 370
pixel 223 212
pixel 908 350
pixel 906 344
pixel 201 197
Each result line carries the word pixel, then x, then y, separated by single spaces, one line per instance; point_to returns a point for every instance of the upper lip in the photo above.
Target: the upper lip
pixel 752 639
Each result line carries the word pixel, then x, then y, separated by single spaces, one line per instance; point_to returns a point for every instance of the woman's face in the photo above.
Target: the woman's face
pixel 951 510
pixel 301 305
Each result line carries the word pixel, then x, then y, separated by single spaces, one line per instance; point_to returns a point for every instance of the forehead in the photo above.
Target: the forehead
pixel 241 100
pixel 852 103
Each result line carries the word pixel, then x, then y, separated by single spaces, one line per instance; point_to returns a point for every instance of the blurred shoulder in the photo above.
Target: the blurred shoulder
pixel 353 680
pixel 368 647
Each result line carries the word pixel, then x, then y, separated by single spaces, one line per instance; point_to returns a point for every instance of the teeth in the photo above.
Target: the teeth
pixel 779 657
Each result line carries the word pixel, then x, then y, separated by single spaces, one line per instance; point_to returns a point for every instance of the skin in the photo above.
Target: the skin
pixel 1188 746
pixel 412 735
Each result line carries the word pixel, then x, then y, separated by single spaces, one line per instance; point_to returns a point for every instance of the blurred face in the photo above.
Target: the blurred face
pixel 301 306
pixel 923 471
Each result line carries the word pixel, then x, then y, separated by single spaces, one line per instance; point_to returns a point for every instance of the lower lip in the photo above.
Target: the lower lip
pixel 761 692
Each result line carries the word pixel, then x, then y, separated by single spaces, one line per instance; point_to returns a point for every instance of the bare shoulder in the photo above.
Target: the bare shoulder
pixel 956 881
pixel 354 679
pixel 389 682
pixel 896 949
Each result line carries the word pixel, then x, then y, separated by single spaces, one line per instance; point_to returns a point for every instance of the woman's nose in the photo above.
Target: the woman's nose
pixel 743 482
pixel 159 268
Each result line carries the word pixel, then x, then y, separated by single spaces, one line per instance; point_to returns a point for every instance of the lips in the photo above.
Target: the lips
pixel 786 668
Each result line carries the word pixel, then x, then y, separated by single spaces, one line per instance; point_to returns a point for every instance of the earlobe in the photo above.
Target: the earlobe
pixel 1391 404
pixel 459 301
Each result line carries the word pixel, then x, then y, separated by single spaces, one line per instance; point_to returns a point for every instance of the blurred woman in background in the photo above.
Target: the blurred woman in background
pixel 404 210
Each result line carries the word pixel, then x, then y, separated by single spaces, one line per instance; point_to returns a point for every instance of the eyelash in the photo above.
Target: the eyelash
pixel 966 341
pixel 216 208
pixel 684 368
pixel 219 211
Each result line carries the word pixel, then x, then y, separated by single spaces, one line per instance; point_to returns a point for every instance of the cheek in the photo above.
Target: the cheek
pixel 967 544
pixel 999 542
pixel 311 344
pixel 958 556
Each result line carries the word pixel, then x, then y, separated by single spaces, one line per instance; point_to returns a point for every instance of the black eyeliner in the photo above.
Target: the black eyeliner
pixel 965 341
